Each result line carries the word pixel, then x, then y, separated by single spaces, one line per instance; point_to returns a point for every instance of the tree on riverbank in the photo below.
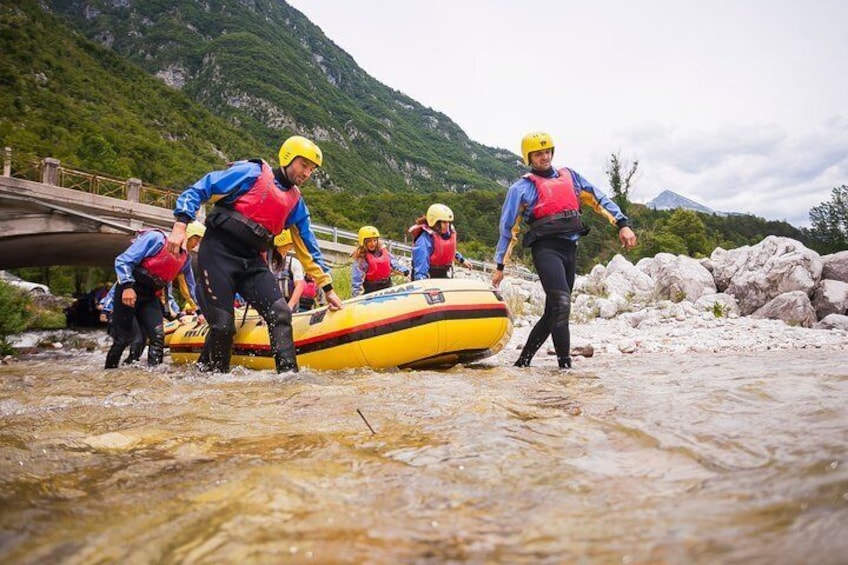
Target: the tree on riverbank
pixel 829 231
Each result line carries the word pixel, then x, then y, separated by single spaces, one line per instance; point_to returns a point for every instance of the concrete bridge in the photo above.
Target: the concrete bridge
pixel 52 215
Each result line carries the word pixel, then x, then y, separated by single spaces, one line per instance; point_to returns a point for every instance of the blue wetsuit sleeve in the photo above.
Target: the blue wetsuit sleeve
pixel 223 185
pixel 421 251
pixel 107 303
pixel 145 245
pixel 357 278
pixel 600 202
pixel 510 221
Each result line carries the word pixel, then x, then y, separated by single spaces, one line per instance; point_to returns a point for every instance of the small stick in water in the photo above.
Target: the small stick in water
pixel 366 422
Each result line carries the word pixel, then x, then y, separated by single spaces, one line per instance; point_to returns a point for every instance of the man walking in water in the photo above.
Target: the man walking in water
pixel 254 204
pixel 549 200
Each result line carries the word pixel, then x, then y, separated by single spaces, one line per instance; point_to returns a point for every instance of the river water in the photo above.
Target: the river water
pixel 696 458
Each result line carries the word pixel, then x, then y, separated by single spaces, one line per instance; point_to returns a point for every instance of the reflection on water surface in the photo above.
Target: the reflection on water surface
pixel 639 459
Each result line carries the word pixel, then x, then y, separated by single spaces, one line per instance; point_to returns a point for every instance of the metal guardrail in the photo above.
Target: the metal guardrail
pixel 50 171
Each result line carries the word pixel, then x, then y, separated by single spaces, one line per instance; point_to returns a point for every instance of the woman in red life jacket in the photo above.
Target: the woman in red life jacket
pixel 434 247
pixel 144 270
pixel 309 296
pixel 253 203
pixel 548 200
pixel 372 264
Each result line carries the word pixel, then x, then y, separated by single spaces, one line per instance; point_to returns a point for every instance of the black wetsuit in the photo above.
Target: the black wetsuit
pixel 555 259
pixel 229 264
pixel 147 315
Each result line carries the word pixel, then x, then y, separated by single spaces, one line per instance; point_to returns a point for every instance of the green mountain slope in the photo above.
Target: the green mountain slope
pixel 263 67
pixel 65 97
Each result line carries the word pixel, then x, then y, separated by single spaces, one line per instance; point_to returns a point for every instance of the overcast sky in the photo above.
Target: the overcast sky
pixel 741 105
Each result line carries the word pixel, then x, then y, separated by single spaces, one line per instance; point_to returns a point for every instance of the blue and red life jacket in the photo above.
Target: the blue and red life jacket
pixel 261 212
pixel 557 209
pixel 156 271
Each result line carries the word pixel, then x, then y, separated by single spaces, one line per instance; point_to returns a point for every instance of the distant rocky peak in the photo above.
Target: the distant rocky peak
pixel 668 200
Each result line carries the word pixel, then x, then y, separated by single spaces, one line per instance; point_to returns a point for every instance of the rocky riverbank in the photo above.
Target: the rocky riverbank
pixel 776 295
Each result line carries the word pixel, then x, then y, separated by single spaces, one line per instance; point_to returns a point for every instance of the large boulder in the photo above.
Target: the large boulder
pixel 794 308
pixel 677 277
pixel 624 279
pixel 831 297
pixel 757 274
pixel 833 322
pixel 835 267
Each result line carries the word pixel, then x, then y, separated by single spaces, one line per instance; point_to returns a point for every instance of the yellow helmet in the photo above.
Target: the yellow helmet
pixel 535 141
pixel 367 232
pixel 195 228
pixel 284 238
pixel 438 212
pixel 298 146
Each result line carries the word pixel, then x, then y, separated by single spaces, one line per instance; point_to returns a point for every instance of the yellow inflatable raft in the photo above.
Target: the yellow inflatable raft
pixel 434 323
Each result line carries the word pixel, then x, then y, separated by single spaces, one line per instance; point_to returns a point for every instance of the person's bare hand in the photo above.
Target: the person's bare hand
pixel 627 238
pixel 176 239
pixel 333 300
pixel 128 297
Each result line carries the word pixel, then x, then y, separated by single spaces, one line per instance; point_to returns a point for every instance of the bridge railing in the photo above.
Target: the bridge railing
pixel 50 171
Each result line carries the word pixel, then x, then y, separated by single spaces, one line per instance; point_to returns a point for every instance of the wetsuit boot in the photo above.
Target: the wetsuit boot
pixel 560 332
pixel 215 357
pixel 156 349
pixel 537 337
pixel 282 337
pixel 113 357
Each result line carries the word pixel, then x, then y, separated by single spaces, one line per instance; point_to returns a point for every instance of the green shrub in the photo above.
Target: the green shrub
pixel 14 314
pixel 14 310
pixel 47 319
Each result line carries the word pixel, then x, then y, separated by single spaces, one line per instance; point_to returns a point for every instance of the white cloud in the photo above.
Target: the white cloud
pixel 738 105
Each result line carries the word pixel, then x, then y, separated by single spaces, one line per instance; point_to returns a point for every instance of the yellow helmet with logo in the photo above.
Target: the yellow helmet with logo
pixel 438 212
pixel 535 141
pixel 298 146
pixel 284 238
pixel 367 232
pixel 195 228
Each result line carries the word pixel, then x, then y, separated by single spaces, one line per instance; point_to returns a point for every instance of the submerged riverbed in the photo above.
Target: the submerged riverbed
pixel 648 458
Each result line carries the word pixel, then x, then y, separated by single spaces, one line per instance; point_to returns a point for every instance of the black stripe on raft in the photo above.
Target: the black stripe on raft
pixel 402 324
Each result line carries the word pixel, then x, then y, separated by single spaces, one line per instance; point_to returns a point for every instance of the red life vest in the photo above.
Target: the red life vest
pixel 557 210
pixel 265 204
pixel 444 250
pixel 310 289
pixel 379 266
pixel 556 195
pixel 160 269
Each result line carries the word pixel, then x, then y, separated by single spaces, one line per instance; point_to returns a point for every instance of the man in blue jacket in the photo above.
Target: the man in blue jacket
pixel 253 204
pixel 144 271
pixel 549 201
